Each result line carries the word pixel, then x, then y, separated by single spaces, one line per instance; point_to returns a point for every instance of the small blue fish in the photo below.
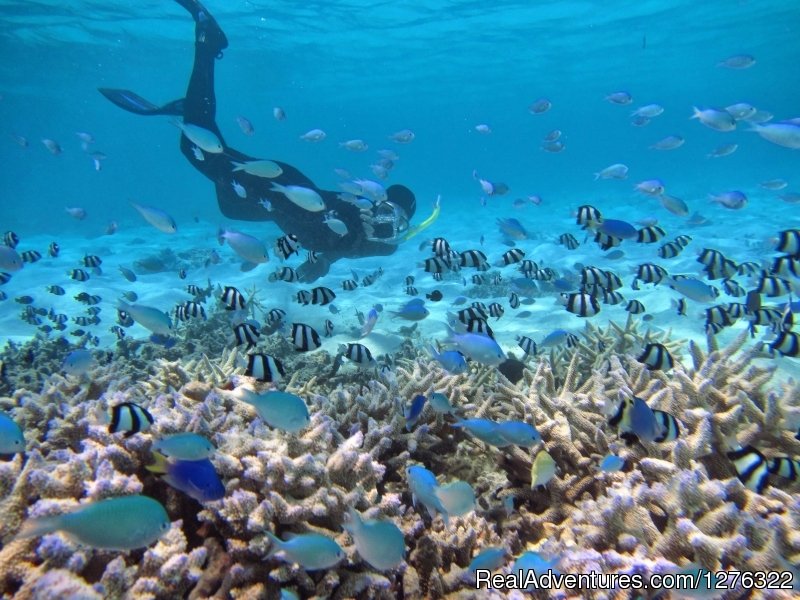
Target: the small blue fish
pixel 184 446
pixel 519 432
pixel 311 551
pixel 423 486
pixel 635 420
pixel 557 337
pixel 441 404
pixel 489 559
pixel 413 310
pixel 12 439
pixel 618 229
pixel 534 561
pixel 612 463
pixel 508 504
pixel 369 322
pixel 457 498
pixel 281 410
pixel 452 361
pixel 78 362
pixel 163 340
pixel 413 411
pixel 125 523
pixel 512 228
pixel 380 543
pixel 485 430
pixel 480 348
pixel 196 478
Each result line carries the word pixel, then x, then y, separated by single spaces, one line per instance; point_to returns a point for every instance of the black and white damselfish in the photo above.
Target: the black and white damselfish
pixel 304 337
pixel 751 467
pixel 264 367
pixel 581 304
pixel 656 357
pixel 246 334
pixel 232 298
pixel 357 353
pixel 130 418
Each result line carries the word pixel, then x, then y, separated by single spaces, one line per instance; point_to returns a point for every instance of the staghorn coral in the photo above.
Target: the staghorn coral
pixel 674 503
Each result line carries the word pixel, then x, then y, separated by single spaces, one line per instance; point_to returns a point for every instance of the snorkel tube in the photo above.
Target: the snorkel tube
pixel 412 231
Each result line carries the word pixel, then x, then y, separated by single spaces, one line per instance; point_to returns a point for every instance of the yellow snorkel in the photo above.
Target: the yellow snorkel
pixel 412 231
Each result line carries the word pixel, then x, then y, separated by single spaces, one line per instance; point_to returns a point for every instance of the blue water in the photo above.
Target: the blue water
pixel 366 69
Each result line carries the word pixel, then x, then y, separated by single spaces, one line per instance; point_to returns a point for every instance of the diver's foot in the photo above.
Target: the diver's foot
pixel 207 32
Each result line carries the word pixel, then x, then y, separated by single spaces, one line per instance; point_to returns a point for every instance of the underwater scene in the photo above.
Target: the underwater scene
pixel 365 299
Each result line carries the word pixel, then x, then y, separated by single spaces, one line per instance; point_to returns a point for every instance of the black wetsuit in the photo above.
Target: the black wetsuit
pixel 199 108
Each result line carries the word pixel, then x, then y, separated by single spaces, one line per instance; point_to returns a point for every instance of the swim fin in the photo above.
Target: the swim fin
pixel 134 103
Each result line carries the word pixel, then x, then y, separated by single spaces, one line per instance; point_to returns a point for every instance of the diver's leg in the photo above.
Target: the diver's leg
pixel 200 105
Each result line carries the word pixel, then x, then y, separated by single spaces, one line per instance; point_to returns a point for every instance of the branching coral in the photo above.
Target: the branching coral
pixel 674 503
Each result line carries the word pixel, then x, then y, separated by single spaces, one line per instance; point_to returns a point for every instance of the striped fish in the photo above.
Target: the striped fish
pixel 527 344
pixel 357 353
pixel 789 242
pixel 511 257
pixel 568 240
pixel 581 304
pixel 786 266
pixel 10 239
pixel 441 247
pixel 31 256
pixel 91 261
pixel 78 275
pixel 286 245
pixel 635 307
pixel 605 241
pixel 787 344
pixel 773 286
pixel 650 234
pixel 284 274
pixel 588 216
pixel 322 296
pixel 264 367
pixel 275 316
pixel 732 288
pixel 472 258
pixel 751 467
pixel 246 333
pixel 479 326
pixel 232 298
pixel 656 357
pixel 670 250
pixel 496 310
pixel 670 429
pixel 130 418
pixel 304 337
pixel 651 273
pixel 328 328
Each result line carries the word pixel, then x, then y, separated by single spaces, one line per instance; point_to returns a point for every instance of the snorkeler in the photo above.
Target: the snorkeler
pixel 374 227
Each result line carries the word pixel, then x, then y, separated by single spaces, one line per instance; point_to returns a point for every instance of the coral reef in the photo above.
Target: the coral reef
pixel 673 504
